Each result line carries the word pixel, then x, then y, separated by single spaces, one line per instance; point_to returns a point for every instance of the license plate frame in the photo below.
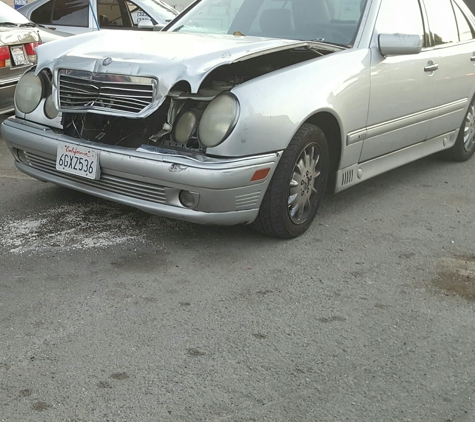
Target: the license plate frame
pixel 19 57
pixel 78 160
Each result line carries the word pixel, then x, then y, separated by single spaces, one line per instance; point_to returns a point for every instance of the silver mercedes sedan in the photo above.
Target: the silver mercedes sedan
pixel 248 111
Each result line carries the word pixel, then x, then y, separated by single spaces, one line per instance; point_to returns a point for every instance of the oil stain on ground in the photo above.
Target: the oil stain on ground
pixel 456 277
pixel 39 406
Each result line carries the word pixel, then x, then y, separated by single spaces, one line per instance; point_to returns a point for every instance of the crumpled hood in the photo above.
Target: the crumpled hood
pixel 168 56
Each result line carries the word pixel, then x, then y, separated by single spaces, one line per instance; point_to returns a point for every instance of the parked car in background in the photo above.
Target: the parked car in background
pixel 248 111
pixel 17 54
pixel 78 16
pixel 18 40
pixel 10 16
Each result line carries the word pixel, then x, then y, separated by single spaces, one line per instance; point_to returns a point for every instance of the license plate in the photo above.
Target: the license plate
pixel 78 160
pixel 18 55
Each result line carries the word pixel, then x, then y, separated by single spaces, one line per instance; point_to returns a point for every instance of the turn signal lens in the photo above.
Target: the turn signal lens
pixel 260 174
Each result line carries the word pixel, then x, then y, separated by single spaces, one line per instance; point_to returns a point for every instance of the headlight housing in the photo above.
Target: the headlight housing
pixel 185 127
pixel 218 120
pixel 29 91
pixel 49 108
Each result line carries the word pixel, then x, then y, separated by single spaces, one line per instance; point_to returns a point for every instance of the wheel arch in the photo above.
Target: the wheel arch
pixel 330 126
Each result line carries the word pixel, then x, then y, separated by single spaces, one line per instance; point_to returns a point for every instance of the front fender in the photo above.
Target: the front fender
pixel 274 106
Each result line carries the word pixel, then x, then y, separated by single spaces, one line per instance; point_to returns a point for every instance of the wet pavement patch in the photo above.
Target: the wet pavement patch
pixel 457 277
pixel 120 376
pixel 104 384
pixel 195 352
pixel 332 318
pixel 259 335
pixel 40 406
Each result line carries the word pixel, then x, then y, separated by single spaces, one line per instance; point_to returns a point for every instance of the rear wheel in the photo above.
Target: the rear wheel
pixel 464 146
pixel 297 187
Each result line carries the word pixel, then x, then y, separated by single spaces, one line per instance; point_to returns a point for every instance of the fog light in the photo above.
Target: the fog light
pixel 185 127
pixel 189 199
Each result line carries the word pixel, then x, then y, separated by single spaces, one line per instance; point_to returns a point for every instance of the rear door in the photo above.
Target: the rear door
pixel 454 47
pixel 403 88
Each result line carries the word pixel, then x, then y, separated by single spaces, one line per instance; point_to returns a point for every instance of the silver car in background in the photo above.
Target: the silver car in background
pixel 17 54
pixel 11 17
pixel 79 16
pixel 248 111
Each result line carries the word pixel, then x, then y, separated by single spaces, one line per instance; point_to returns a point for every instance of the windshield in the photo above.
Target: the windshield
pixel 331 21
pixel 8 14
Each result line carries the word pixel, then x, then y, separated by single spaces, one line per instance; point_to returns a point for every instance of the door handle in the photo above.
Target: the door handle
pixel 431 66
pixel 472 59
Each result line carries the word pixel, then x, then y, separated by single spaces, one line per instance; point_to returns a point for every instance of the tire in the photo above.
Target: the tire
pixel 297 187
pixel 464 146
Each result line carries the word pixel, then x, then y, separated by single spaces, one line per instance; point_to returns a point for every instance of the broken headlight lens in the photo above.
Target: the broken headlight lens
pixel 218 120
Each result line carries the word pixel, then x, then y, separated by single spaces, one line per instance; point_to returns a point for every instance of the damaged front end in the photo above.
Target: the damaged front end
pixel 128 111
pixel 150 144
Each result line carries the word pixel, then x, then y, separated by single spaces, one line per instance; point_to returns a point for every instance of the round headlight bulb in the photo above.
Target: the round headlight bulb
pixel 185 127
pixel 50 109
pixel 218 120
pixel 28 92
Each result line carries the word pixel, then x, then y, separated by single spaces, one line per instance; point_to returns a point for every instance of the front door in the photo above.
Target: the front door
pixel 403 88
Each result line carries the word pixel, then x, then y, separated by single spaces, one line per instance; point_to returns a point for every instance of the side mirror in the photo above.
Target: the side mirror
pixel 399 44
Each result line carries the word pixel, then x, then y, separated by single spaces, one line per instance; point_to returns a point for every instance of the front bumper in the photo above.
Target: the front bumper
pixel 150 178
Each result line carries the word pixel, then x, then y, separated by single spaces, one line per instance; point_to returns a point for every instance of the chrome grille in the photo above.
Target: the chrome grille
pixel 82 90
pixel 120 185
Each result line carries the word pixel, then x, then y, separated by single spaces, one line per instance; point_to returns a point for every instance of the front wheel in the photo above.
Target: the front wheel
pixel 464 146
pixel 297 187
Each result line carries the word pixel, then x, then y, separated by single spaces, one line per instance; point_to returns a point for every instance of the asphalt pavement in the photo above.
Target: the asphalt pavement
pixel 111 314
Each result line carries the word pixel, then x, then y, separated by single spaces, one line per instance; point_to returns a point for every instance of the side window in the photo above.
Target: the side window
pixel 43 14
pixel 400 17
pixel 110 13
pixel 464 28
pixel 442 21
pixel 116 13
pixel 71 12
pixel 137 14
